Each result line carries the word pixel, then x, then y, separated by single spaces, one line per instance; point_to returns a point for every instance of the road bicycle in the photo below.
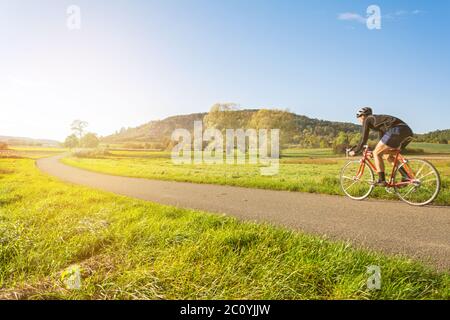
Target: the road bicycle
pixel 419 188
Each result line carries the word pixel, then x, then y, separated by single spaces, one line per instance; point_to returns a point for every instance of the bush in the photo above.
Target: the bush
pixel 90 140
pixel 91 153
pixel 412 151
pixel 443 141
pixel 340 148
pixel 133 145
pixel 71 141
pixel 3 146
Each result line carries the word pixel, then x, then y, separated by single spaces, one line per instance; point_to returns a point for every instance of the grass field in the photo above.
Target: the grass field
pixel 32 152
pixel 37 148
pixel 314 171
pixel 131 249
pixel 432 148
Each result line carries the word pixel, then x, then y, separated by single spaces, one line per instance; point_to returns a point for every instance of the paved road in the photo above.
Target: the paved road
pixel 387 226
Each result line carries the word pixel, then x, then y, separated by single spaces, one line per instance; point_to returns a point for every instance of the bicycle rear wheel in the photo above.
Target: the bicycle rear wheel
pixel 423 188
pixel 357 187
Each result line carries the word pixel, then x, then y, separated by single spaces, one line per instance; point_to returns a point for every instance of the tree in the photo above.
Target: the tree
pixel 224 116
pixel 78 127
pixel 443 141
pixel 354 138
pixel 275 119
pixel 90 140
pixel 72 141
pixel 341 143
pixel 342 138
pixel 3 145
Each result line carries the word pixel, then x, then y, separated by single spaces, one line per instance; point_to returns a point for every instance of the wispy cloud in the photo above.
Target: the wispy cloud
pixel 350 16
pixel 402 14
pixel 355 17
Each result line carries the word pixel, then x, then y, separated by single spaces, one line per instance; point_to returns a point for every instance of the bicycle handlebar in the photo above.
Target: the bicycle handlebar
pixel 347 151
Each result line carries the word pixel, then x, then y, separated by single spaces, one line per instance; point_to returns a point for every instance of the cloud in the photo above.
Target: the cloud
pixel 355 17
pixel 402 13
pixel 350 16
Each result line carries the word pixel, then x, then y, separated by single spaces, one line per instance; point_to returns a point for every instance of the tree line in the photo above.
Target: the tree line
pixel 79 138
pixel 296 131
pixel 438 136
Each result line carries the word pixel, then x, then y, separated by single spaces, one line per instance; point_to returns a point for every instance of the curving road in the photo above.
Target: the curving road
pixel 387 226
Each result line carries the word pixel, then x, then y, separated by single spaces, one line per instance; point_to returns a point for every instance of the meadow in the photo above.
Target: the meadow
pixel 31 152
pixel 432 148
pixel 304 170
pixel 132 249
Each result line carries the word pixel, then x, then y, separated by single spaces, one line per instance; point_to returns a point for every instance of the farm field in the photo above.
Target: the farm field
pixel 132 249
pixel 307 170
pixel 31 152
pixel 432 148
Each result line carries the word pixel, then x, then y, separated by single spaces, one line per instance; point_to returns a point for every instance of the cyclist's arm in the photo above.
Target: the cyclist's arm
pixel 364 135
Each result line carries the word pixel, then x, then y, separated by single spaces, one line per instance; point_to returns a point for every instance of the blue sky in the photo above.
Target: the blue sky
pixel 135 61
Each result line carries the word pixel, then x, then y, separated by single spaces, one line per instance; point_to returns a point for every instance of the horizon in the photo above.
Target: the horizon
pixel 144 61
pixel 187 114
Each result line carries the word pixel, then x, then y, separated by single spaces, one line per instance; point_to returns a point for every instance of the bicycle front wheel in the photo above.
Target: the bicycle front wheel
pixel 357 187
pixel 424 186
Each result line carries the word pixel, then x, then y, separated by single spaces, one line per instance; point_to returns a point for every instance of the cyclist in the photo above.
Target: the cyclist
pixel 393 134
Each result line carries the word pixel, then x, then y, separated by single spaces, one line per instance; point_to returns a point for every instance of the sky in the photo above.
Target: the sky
pixel 136 61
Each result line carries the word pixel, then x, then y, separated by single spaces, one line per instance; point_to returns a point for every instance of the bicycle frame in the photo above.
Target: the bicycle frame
pixel 399 159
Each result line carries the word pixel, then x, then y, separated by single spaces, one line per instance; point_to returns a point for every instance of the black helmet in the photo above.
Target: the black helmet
pixel 366 111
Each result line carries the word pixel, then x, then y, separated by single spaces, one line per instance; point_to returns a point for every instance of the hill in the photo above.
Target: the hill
pixel 304 132
pixel 308 132
pixel 154 131
pixel 28 141
pixel 438 136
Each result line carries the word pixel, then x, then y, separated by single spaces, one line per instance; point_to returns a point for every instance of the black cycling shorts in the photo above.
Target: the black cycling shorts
pixel 395 136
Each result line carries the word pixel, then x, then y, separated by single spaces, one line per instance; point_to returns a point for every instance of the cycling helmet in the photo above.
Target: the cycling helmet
pixel 366 111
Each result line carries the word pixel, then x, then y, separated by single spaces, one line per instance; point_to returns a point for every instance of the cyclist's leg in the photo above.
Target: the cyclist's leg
pixel 397 139
pixel 390 155
pixel 382 148
pixel 378 153
pixel 407 137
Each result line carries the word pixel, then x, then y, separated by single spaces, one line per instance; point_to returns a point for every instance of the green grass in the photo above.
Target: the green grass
pixel 31 152
pixel 432 148
pixel 132 249
pixel 37 148
pixel 310 171
pixel 308 153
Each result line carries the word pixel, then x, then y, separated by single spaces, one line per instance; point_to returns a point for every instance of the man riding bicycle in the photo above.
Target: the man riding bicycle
pixel 393 133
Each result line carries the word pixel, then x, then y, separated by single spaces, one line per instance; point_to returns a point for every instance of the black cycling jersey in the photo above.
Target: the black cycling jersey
pixel 380 123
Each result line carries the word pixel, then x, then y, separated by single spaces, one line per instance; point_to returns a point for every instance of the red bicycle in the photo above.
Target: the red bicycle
pixel 419 188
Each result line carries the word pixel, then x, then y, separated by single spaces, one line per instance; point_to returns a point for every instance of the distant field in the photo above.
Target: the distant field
pixel 308 153
pixel 30 152
pixel 432 147
pixel 314 171
pixel 35 148
pixel 132 249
